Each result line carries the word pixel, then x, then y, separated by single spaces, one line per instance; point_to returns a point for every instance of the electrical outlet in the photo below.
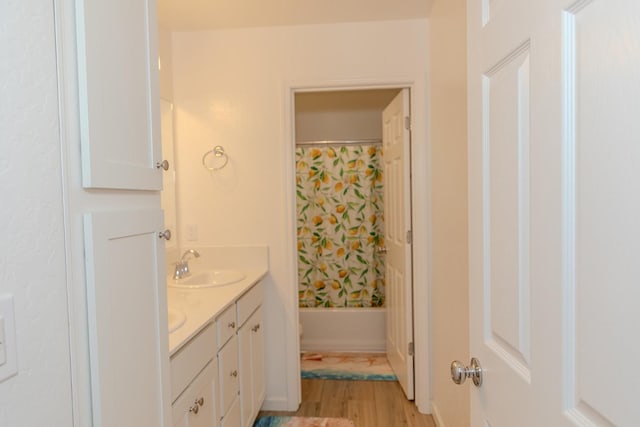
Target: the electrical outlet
pixel 8 346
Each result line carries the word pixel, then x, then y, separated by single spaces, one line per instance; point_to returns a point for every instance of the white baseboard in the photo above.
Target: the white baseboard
pixel 436 415
pixel 277 404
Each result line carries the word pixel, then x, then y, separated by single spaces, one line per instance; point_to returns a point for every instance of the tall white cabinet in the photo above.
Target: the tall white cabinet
pixel 110 126
pixel 119 95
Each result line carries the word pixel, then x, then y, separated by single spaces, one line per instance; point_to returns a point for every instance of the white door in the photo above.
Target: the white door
pixel 554 202
pixel 118 94
pixel 127 317
pixel 397 234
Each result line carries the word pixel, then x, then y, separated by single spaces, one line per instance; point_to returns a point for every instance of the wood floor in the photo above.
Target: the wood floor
pixel 366 403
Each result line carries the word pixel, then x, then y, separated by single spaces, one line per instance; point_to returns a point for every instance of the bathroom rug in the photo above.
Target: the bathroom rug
pixel 274 421
pixel 346 366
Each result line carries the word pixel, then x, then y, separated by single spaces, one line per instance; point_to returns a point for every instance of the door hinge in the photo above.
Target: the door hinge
pixel 409 237
pixel 411 349
pixel 407 123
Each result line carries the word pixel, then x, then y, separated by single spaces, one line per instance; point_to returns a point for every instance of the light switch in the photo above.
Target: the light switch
pixel 8 346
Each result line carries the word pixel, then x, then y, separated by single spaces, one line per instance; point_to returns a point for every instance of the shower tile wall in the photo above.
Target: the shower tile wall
pixel 340 224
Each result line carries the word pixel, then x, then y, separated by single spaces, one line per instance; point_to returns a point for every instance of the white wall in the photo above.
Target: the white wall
pixel 341 115
pixel 230 88
pixel 449 269
pixel 32 254
pixel 166 64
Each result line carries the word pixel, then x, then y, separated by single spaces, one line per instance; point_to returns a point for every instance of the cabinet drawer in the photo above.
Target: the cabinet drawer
pixel 191 358
pixel 229 374
pixel 232 418
pixel 197 405
pixel 249 302
pixel 226 324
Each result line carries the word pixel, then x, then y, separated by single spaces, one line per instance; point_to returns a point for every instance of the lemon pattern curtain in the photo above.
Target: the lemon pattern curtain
pixel 340 224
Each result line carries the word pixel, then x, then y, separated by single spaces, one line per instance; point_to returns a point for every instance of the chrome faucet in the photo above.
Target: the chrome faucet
pixel 182 266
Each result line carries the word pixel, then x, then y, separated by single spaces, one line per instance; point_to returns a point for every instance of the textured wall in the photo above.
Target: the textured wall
pixel 448 134
pixel 32 257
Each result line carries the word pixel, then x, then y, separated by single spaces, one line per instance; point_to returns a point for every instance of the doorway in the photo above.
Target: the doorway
pixel 340 225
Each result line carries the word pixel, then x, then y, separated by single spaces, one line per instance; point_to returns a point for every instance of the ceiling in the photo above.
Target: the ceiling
pixel 196 15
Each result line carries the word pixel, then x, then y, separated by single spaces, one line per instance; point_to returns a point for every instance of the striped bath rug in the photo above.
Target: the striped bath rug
pixel 346 366
pixel 273 421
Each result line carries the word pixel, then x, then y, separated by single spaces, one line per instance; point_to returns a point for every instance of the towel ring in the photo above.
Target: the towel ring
pixel 218 151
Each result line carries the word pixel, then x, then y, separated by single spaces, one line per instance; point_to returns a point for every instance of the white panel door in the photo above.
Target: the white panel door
pixel 397 219
pixel 118 94
pixel 128 334
pixel 554 198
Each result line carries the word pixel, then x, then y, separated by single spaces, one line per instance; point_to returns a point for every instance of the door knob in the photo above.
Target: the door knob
pixel 166 234
pixel 459 372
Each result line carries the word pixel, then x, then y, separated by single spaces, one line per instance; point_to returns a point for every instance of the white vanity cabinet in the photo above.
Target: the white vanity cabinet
pixel 251 350
pixel 194 378
pixel 217 377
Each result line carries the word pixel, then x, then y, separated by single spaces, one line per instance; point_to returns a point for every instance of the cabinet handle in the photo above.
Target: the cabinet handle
pixel 163 165
pixel 200 401
pixel 232 325
pixel 234 374
pixel 256 328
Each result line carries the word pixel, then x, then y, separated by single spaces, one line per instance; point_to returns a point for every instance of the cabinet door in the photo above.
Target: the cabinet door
pixel 127 317
pixel 119 94
pixel 251 343
pixel 232 417
pixel 257 359
pixel 196 406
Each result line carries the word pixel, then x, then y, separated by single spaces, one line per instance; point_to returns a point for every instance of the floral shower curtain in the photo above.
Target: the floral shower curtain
pixel 340 225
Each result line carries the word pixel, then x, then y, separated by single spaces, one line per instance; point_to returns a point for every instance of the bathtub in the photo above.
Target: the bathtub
pixel 343 329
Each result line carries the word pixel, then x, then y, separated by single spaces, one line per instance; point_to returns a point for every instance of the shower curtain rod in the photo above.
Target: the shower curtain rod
pixel 340 142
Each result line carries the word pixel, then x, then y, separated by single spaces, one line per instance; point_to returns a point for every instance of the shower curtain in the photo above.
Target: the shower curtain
pixel 339 226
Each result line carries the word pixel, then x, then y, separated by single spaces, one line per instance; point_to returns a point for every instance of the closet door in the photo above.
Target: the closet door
pixel 126 308
pixel 118 94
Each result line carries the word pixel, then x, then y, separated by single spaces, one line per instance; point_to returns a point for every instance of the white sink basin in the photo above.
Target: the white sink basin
pixel 176 319
pixel 209 279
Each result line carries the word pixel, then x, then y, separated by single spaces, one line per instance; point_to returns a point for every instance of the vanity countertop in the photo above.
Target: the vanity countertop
pixel 202 305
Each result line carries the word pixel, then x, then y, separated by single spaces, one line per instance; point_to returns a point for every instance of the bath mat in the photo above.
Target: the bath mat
pixel 346 366
pixel 272 421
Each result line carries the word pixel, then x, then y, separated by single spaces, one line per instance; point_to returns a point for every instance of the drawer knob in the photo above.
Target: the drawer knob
pixel 197 404
pixel 232 325
pixel 234 373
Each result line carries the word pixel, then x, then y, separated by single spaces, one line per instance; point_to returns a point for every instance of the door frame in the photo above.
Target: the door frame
pixel 421 226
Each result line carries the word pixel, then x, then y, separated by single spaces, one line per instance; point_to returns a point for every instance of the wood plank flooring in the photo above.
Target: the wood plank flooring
pixel 366 403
